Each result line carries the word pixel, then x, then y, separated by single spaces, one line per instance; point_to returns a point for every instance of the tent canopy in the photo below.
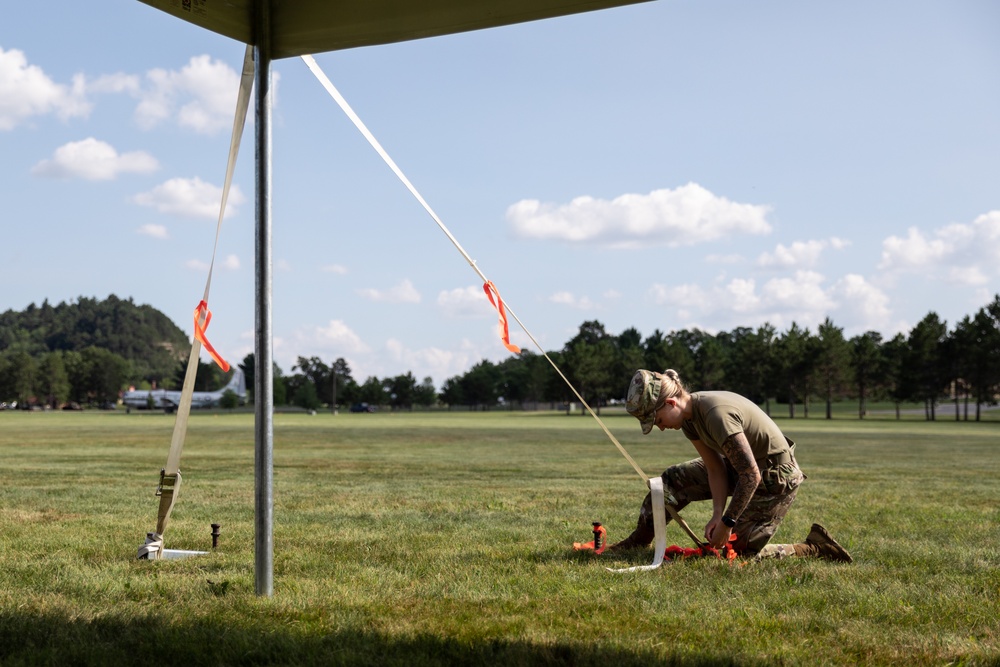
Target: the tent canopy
pixel 315 26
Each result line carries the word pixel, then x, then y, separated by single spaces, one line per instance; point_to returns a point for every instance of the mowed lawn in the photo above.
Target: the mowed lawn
pixel 446 538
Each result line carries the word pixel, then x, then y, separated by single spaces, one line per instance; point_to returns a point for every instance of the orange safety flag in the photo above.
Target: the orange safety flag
pixel 199 333
pixel 490 290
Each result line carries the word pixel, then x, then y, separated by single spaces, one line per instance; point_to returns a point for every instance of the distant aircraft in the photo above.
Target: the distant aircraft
pixel 168 400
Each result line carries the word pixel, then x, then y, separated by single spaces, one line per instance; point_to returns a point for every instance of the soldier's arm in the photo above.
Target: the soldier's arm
pixel 718 482
pixel 737 450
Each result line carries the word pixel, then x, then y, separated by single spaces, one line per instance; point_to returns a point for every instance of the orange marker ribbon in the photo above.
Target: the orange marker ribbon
pixel 199 333
pixel 490 290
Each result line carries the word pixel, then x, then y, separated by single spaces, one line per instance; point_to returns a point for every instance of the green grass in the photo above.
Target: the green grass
pixel 436 538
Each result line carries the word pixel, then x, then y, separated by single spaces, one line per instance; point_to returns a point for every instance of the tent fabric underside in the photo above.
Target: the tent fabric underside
pixel 302 27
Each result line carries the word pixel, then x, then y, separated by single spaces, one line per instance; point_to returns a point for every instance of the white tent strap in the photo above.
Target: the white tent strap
pixel 659 529
pixel 187 391
pixel 346 108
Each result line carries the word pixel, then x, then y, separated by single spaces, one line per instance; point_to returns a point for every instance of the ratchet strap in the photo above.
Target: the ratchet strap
pixel 170 475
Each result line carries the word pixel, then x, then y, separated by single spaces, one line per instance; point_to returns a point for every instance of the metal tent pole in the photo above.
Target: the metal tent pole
pixel 263 335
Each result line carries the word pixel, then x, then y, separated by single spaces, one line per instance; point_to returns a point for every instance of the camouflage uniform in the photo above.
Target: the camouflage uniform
pixel 687 482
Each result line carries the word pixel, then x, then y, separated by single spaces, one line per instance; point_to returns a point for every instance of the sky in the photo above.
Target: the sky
pixel 662 166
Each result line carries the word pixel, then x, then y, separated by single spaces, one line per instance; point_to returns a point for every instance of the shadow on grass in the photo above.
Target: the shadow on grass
pixel 50 640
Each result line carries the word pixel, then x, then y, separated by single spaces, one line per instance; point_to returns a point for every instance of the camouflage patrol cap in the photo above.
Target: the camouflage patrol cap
pixel 644 398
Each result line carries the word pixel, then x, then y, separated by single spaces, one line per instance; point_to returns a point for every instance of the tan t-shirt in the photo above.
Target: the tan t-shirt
pixel 716 415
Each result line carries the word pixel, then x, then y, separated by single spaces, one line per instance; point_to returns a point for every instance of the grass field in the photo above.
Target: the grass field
pixel 409 539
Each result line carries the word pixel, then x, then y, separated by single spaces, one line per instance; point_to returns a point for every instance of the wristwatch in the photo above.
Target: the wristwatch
pixel 729 521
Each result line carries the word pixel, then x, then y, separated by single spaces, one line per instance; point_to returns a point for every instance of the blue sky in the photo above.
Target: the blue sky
pixel 666 165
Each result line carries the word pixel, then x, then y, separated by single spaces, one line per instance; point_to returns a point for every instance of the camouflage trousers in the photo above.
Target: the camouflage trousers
pixel 688 482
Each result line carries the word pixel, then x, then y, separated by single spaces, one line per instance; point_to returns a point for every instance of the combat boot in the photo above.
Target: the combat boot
pixel 825 546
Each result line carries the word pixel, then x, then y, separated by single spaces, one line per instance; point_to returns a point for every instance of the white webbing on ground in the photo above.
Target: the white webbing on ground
pixel 659 529
pixel 153 548
pixel 346 108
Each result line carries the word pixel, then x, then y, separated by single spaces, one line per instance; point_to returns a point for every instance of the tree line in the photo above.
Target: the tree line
pixel 793 368
pixel 45 364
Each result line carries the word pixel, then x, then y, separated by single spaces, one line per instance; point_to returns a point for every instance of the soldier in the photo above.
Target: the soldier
pixel 743 454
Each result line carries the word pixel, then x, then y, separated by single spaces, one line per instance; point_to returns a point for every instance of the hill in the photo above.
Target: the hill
pixel 139 333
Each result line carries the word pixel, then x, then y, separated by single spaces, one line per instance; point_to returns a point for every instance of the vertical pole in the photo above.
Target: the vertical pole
pixel 263 349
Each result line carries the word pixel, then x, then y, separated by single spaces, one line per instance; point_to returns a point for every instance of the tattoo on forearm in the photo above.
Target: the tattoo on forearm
pixel 737 450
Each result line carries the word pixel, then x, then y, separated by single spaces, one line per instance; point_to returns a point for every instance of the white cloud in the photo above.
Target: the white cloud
pixel 404 292
pixel 569 299
pixel 200 96
pixel 231 262
pixel 861 306
pixel 26 91
pixel 803 291
pixel 338 269
pixel 800 254
pixel 684 216
pixel 432 362
pixel 197 265
pixel 190 197
pixel 337 337
pixel 964 254
pixel 739 301
pixel 156 231
pixel 94 160
pixel 465 302
pixel 114 83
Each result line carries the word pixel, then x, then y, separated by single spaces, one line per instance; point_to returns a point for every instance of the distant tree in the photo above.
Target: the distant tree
pixel 319 375
pixel 793 352
pixel 514 381
pixel 107 374
pixel 654 349
pixel 979 344
pixel 556 390
pixel 279 387
pixel 748 362
pixel 959 352
pixel 451 392
pixel 924 371
pixel 590 360
pixel 401 390
pixel 424 394
pixel 346 388
pixel 891 370
pixel 249 373
pixel 479 385
pixel 866 366
pixel 53 380
pixel 305 396
pixel 831 362
pixel 372 392
pixel 23 375
pixel 629 357
pixel 679 350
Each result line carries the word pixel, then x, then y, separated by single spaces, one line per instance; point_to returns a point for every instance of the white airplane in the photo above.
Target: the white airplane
pixel 168 400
